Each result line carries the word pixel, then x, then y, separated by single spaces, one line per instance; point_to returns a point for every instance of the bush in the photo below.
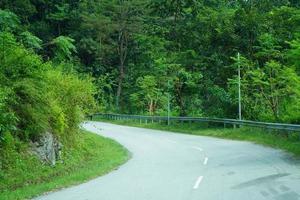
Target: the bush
pixel 7 119
pixel 71 98
pixel 36 97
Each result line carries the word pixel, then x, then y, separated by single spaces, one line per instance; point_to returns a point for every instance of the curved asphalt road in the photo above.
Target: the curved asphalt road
pixel 168 166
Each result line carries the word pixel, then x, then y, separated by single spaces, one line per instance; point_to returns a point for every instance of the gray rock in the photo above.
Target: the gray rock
pixel 47 148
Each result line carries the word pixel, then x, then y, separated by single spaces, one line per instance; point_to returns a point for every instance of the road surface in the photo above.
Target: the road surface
pixel 169 166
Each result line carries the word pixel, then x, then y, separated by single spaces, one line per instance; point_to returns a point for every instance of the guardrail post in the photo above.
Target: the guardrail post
pixel 234 126
pixel 146 121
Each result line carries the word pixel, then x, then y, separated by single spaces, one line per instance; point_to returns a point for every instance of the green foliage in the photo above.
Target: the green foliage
pixel 41 97
pixel 271 86
pixel 149 96
pixel 189 44
pixel 279 140
pixel 7 119
pixel 104 92
pixel 30 41
pixel 139 53
pixel 22 72
pixel 25 177
pixel 64 48
pixel 23 8
pixel 294 53
pixel 71 98
pixel 8 21
pixel 61 13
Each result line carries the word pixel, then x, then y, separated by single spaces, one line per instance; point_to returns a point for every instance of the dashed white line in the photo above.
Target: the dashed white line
pixel 198 182
pixel 198 148
pixel 205 161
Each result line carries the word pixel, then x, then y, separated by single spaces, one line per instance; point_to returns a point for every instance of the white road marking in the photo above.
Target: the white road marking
pixel 198 182
pixel 205 161
pixel 198 148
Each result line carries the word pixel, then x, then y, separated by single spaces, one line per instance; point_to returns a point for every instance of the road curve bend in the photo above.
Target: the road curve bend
pixel 169 166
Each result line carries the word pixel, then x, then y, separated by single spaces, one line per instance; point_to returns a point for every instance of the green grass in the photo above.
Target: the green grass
pixel 92 156
pixel 279 140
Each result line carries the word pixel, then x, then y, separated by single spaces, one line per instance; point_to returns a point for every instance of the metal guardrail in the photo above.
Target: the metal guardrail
pixel 234 122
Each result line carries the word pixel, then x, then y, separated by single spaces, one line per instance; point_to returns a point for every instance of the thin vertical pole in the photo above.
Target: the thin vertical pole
pixel 239 84
pixel 169 103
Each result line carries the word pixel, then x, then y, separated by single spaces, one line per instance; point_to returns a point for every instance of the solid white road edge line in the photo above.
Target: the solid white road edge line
pixel 198 148
pixel 198 182
pixel 205 161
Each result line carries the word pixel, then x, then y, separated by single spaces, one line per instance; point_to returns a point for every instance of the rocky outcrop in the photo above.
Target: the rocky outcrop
pixel 47 148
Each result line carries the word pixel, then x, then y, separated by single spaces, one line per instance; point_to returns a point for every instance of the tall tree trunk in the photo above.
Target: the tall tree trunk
pixel 151 107
pixel 122 50
pixel 120 84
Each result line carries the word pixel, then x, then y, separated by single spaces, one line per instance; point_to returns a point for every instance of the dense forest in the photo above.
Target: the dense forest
pixel 139 53
pixel 61 60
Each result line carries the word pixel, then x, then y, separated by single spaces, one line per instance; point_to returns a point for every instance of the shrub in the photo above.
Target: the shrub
pixel 71 98
pixel 36 97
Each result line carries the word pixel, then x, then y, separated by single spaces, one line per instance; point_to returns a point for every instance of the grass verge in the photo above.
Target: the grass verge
pixel 91 156
pixel 289 142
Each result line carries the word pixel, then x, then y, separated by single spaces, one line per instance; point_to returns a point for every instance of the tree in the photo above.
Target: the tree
pixel 60 15
pixel 114 23
pixel 63 48
pixel 31 41
pixel 185 86
pixel 8 21
pixel 149 94
pixel 294 54
pixel 267 89
pixel 186 43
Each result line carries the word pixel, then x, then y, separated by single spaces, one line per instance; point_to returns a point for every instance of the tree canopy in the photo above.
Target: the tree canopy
pixel 139 52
